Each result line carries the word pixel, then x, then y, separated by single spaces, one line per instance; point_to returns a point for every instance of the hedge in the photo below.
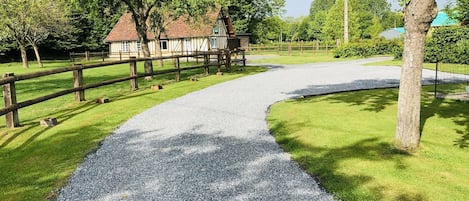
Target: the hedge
pixel 448 45
pixel 368 48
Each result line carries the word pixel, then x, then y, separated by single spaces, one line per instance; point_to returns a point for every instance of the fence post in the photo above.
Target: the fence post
pixel 301 47
pixel 327 48
pixel 206 63
pixel 120 55
pixel 102 54
pixel 219 59
pixel 78 82
pixel 436 79
pixel 133 73
pixel 178 73
pixel 9 98
pixel 228 60
pixel 317 46
pixel 244 58
pixel 87 55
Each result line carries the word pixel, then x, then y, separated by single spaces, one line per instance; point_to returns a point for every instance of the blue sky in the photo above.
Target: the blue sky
pixel 296 8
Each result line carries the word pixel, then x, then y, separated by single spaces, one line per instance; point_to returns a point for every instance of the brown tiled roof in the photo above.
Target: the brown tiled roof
pixel 182 27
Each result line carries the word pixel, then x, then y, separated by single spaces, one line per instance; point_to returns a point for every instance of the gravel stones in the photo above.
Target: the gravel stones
pixel 214 144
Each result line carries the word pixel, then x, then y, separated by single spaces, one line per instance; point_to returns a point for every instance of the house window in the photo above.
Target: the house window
pixel 164 45
pixel 125 46
pixel 213 42
pixel 139 46
pixel 216 29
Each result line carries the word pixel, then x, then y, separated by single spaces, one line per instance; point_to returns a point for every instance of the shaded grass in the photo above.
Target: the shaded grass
pixel 450 68
pixel 346 141
pixel 36 161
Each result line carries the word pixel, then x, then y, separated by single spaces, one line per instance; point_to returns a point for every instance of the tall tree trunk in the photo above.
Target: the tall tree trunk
pixel 38 56
pixel 24 55
pixel 158 51
pixel 418 16
pixel 148 65
pixel 346 22
pixel 141 24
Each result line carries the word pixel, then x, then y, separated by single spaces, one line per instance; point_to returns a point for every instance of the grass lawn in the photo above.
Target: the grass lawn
pixel 346 141
pixel 297 58
pixel 36 161
pixel 301 59
pixel 450 68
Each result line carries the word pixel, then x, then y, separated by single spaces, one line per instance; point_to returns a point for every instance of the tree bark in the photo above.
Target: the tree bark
pixel 148 65
pixel 158 51
pixel 38 56
pixel 418 15
pixel 346 22
pixel 140 18
pixel 24 55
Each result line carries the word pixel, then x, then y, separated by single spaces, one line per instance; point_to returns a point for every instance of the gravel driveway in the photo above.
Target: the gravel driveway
pixel 214 144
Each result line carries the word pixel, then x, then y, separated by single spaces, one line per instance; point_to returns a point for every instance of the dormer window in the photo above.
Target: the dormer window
pixel 216 29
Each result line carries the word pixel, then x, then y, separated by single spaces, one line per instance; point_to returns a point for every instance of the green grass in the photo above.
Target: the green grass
pixel 346 141
pixel 450 68
pixel 298 58
pixel 36 161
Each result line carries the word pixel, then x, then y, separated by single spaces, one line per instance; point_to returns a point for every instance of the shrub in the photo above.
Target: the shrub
pixel 448 45
pixel 369 48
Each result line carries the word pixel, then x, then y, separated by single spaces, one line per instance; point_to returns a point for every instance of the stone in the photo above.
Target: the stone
pixel 156 87
pixel 49 122
pixel 102 100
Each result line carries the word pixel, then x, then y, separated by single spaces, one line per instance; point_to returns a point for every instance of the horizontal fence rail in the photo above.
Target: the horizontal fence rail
pixel 301 47
pixel 9 80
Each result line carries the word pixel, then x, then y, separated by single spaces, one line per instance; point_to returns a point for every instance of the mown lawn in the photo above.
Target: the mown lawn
pixel 36 161
pixel 346 141
pixel 450 68
pixel 298 58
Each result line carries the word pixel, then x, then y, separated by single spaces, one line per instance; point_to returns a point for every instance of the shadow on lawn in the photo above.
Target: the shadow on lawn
pixel 378 100
pixel 323 163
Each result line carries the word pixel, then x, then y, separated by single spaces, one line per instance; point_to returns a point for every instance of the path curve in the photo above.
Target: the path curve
pixel 214 144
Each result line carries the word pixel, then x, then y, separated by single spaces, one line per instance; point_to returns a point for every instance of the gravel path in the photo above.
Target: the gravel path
pixel 214 144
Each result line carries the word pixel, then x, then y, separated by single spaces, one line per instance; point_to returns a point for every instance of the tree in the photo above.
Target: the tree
pixel 147 16
pixel 48 18
pixel 14 23
pixel 270 29
pixel 31 22
pixel 247 14
pixel 334 24
pixel 376 28
pixel 462 8
pixel 346 21
pixel 418 15
pixel 319 6
pixel 92 21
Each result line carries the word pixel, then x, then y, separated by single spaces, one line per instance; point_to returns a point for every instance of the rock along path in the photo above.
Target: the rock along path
pixel 214 144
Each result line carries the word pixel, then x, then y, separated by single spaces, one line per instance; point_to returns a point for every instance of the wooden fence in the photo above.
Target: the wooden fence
pixel 299 47
pixel 87 55
pixel 9 80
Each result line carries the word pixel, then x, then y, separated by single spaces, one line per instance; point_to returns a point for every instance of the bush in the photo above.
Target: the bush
pixel 369 48
pixel 448 45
